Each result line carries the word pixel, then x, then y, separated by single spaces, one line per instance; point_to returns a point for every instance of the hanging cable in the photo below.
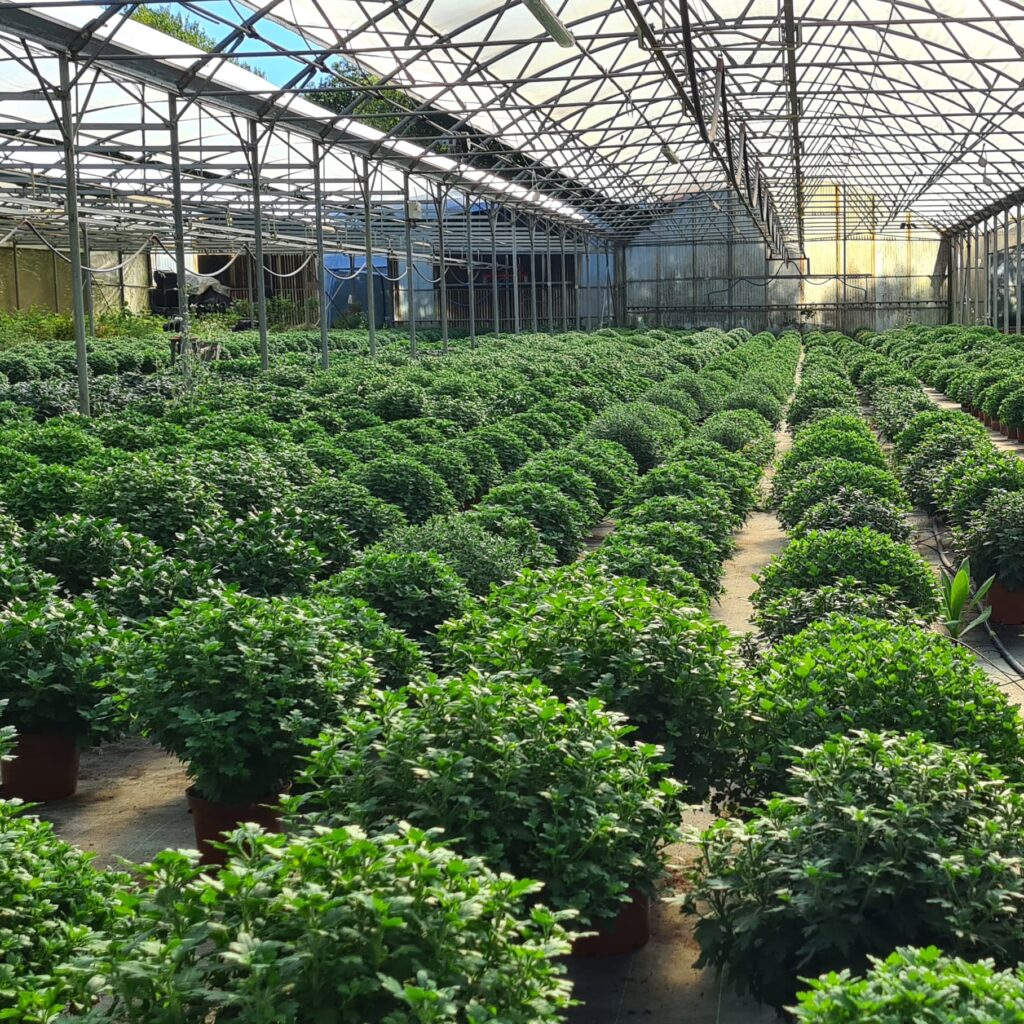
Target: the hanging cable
pixel 290 273
pixel 67 259
pixel 343 277
pixel 212 273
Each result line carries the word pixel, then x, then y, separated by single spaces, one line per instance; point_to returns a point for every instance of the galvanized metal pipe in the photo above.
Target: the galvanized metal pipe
pixel 74 234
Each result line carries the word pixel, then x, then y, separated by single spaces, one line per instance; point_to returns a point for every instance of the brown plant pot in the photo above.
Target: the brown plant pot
pixel 44 767
pixel 629 930
pixel 1007 605
pixel 211 819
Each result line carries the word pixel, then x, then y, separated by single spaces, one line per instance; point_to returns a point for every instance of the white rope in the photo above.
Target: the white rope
pixel 427 277
pixel 291 273
pixel 10 234
pixel 213 273
pixel 401 277
pixel 343 277
pixel 88 270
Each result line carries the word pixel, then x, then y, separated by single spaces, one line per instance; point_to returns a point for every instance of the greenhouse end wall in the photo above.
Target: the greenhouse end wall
pixel 34 277
pixel 723 276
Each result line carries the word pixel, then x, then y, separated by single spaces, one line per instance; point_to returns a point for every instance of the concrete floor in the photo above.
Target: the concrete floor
pixel 130 804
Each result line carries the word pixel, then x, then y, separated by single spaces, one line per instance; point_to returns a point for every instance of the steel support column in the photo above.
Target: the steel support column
pixel 549 285
pixel 470 272
pixel 576 277
pixel 90 307
pixel 258 271
pixel 321 267
pixel 74 234
pixel 179 228
pixel 515 275
pixel 442 202
pixel 410 277
pixel 1017 270
pixel 986 276
pixel 533 274
pixel 492 217
pixel 563 284
pixel 587 289
pixel 371 296
pixel 1006 271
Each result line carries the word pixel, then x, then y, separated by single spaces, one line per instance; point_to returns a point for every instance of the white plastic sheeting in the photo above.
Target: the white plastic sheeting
pixel 912 105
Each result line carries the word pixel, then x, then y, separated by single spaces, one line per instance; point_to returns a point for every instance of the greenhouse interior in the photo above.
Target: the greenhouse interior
pixel 498 511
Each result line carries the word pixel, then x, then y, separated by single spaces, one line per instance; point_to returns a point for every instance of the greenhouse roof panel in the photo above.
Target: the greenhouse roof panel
pixel 625 109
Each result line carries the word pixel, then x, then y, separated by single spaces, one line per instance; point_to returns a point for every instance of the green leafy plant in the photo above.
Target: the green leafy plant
pixel 821 393
pixel 959 604
pixel 646 431
pixel 643 652
pixel 965 485
pixel 675 480
pixel 53 660
pixel 574 485
pixel 534 785
pixel 818 442
pixel 638 562
pixel 886 840
pixel 78 550
pixel 993 540
pixel 151 497
pixel 743 431
pixel 561 521
pixel 716 522
pixel 849 507
pixel 20 581
pixel 57 907
pixel 366 517
pixel 924 424
pixel 682 542
pixel 479 556
pixel 797 608
pixel 261 553
pixel 42 491
pixel 154 588
pixel 911 985
pixel 415 590
pixel 333 925
pixel 823 479
pixel 605 464
pixel 841 674
pixel 823 557
pixel 417 491
pixel 232 685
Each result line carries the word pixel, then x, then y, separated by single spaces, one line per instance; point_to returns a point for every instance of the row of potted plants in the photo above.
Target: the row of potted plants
pixel 416 576
pixel 866 740
pixel 235 682
pixel 978 367
pixel 952 468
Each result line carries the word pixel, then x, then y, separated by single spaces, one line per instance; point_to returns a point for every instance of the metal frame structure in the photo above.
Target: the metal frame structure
pixel 582 131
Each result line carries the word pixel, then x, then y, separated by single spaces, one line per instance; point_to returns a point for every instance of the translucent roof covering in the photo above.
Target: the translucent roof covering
pixel 598 114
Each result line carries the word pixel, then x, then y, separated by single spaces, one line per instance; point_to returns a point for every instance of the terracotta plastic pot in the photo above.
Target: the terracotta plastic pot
pixel 45 767
pixel 211 819
pixel 628 931
pixel 1007 605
